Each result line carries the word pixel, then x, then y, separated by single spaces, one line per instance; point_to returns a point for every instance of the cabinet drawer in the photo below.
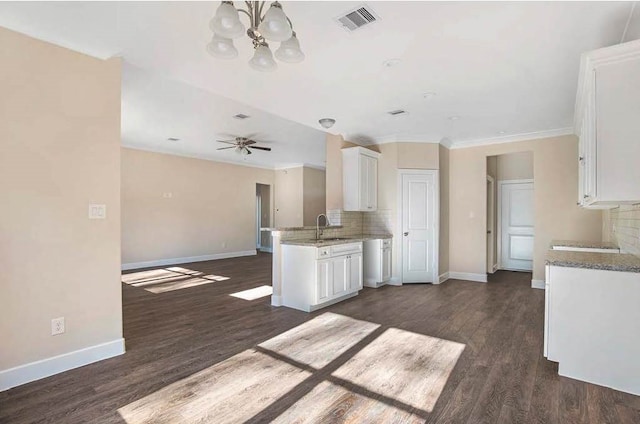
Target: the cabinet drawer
pixel 345 249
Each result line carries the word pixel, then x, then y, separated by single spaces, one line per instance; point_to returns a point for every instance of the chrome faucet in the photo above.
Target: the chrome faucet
pixel 327 224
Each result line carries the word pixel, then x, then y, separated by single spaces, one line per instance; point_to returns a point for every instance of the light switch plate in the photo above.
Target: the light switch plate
pixel 97 211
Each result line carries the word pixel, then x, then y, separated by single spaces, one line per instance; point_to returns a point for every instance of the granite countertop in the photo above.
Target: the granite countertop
pixel 308 227
pixel 342 240
pixel 585 244
pixel 604 261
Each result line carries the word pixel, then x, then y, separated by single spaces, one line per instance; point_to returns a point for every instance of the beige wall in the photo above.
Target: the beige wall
pixel 514 166
pixel 60 126
pixel 212 208
pixel 314 193
pixel 444 165
pixel 418 155
pixel 289 197
pixel 556 214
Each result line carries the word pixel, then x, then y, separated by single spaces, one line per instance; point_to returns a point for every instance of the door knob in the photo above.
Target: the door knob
pixel 406 233
pixel 488 231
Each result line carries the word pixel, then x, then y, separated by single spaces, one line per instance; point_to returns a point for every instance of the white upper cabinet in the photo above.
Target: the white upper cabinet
pixel 360 179
pixel 607 121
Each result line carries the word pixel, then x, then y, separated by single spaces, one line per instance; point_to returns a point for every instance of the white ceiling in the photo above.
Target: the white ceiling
pixel 155 108
pixel 505 69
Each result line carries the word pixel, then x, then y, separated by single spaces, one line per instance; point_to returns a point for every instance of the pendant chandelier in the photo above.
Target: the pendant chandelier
pixel 274 25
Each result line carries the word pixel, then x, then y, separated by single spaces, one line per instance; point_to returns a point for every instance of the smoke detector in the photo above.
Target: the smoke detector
pixel 357 18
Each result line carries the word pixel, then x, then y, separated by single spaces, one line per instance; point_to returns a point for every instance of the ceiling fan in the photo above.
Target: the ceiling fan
pixel 242 145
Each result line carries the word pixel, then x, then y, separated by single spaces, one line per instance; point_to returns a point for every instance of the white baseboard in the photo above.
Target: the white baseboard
pixel 176 261
pixel 495 268
pixel 538 284
pixel 468 276
pixel 395 281
pixel 266 249
pixel 276 300
pixel 443 277
pixel 26 373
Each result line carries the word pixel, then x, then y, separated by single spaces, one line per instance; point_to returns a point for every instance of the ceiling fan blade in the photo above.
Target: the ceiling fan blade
pixel 224 148
pixel 268 149
pixel 250 142
pixel 226 141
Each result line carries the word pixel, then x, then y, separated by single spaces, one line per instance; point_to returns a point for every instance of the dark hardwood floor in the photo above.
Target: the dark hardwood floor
pixel 460 352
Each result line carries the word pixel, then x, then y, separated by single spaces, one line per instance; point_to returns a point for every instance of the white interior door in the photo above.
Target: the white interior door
pixel 419 227
pixel 516 225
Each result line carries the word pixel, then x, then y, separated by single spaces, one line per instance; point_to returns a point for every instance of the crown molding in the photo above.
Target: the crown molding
pixel 512 138
pixel 209 158
pixel 300 165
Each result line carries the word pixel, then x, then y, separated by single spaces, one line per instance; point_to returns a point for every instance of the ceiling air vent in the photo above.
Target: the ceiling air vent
pixel 357 18
pixel 397 112
pixel 241 116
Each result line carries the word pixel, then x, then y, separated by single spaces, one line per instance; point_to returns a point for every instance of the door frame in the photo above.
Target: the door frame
pixel 492 264
pixel 398 240
pixel 499 207
pixel 268 249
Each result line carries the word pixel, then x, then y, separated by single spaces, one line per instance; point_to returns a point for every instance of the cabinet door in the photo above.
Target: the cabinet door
pixel 340 276
pixel 324 272
pixel 363 182
pixel 355 271
pixel 372 184
pixel 386 265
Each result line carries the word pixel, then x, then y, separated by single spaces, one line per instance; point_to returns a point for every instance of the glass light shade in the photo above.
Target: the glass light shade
pixel 226 22
pixel 289 51
pixel 222 47
pixel 275 25
pixel 262 60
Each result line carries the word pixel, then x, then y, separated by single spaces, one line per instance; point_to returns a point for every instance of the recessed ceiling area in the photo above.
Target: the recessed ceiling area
pixel 156 109
pixel 504 68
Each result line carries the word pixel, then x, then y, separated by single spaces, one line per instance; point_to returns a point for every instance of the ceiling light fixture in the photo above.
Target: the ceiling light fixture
pixel 327 122
pixel 274 25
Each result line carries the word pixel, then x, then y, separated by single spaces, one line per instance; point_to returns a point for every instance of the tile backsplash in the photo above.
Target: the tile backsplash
pixel 624 227
pixel 352 223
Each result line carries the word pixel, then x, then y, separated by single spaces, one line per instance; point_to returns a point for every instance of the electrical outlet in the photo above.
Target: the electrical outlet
pixel 97 211
pixel 57 326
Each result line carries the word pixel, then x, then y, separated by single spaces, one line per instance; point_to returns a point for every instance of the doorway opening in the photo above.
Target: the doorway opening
pixel 263 217
pixel 510 212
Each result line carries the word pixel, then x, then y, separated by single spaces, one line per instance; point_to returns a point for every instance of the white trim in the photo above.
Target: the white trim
pixel 491 260
pixel 276 300
pixel 443 277
pixel 512 138
pixel 299 165
pixel 468 276
pixel 266 249
pixel 436 176
pixel 188 259
pixel 395 281
pixel 538 284
pixel 32 371
pixel 495 267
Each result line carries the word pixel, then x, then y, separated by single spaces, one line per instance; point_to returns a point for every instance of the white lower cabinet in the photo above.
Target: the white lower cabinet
pixel 592 322
pixel 314 277
pixel 377 262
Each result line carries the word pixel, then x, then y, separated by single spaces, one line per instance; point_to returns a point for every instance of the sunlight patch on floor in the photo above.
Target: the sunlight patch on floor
pixel 231 391
pixel 255 293
pixel 331 403
pixel 169 279
pixel 379 376
pixel 321 340
pixel 407 367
